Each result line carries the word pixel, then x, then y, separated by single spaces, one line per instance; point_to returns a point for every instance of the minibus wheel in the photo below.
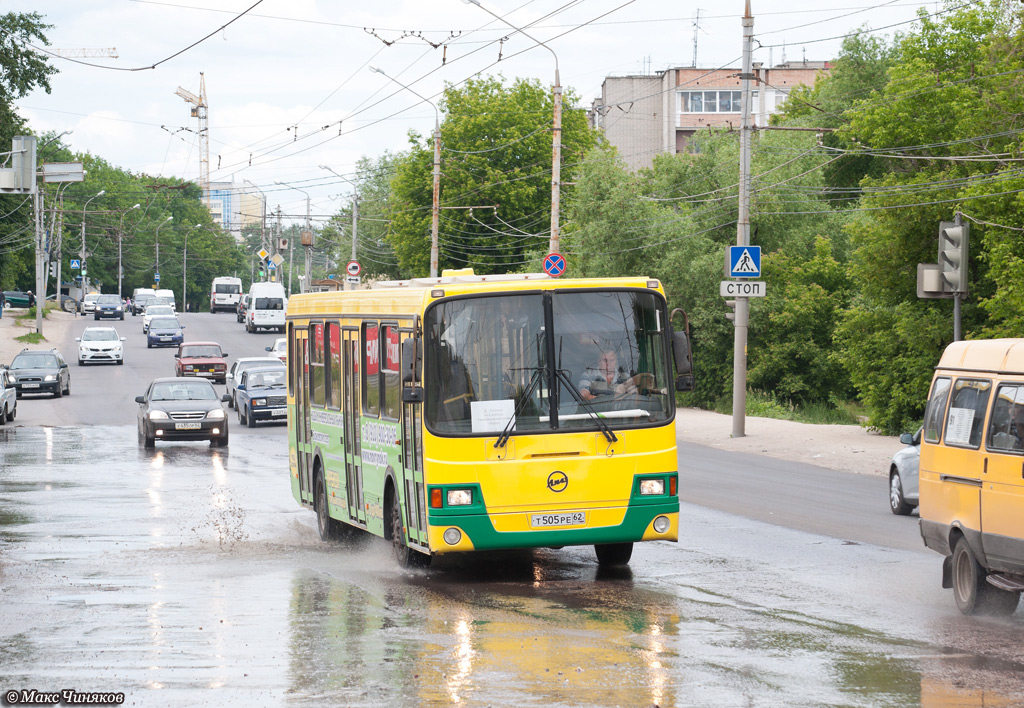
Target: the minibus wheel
pixel 972 592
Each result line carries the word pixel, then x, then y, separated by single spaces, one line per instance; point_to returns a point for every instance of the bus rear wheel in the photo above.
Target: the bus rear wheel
pixel 613 554
pixel 972 592
pixel 328 528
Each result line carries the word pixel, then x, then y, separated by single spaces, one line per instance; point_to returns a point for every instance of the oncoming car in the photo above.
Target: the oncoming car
pixel 182 409
pixel 8 397
pixel 261 396
pixel 203 359
pixel 108 306
pixel 164 332
pixel 280 349
pixel 249 362
pixel 152 311
pixel 100 345
pixel 41 371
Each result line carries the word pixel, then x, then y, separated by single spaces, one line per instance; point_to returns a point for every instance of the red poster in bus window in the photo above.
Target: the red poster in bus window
pixel 391 361
pixel 372 351
pixel 318 343
pixel 334 335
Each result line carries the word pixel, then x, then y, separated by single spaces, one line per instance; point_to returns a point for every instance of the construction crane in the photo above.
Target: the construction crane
pixel 199 108
pixel 110 53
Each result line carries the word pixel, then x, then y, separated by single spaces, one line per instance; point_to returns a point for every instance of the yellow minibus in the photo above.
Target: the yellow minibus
pixel 972 473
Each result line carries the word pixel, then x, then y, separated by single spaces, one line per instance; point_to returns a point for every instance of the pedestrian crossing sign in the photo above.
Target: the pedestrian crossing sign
pixel 744 261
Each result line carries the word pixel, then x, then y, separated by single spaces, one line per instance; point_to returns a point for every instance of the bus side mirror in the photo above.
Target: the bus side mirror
pixel 412 362
pixel 683 361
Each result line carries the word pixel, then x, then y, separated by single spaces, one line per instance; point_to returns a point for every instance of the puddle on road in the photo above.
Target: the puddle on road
pixel 169 572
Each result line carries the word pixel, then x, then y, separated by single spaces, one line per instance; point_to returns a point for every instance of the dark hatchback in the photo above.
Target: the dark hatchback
pixel 41 371
pixel 182 409
pixel 164 332
pixel 108 306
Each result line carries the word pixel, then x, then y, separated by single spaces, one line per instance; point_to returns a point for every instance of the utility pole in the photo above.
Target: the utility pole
pixel 742 319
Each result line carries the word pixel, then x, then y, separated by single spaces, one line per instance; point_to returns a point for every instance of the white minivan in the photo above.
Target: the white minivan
pixel 267 304
pixel 167 295
pixel 225 292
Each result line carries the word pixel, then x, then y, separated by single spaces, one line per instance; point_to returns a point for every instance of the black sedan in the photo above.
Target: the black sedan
pixel 182 409
pixel 41 371
pixel 164 331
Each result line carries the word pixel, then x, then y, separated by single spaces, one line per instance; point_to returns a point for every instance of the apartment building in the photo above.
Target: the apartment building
pixel 235 205
pixel 646 115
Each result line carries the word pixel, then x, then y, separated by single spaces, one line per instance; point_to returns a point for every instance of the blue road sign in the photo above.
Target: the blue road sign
pixel 156 277
pixel 270 265
pixel 554 264
pixel 75 264
pixel 744 261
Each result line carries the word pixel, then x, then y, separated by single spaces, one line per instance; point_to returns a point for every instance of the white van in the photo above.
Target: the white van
pixel 167 295
pixel 225 292
pixel 267 304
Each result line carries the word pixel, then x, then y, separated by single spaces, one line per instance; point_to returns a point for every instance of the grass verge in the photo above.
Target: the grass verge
pixel 765 405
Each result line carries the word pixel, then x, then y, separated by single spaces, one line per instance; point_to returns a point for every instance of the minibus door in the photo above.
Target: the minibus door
pixel 1002 489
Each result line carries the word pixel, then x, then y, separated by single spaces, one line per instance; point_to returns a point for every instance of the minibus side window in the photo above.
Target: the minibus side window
pixel 966 415
pixel 936 408
pixel 1006 428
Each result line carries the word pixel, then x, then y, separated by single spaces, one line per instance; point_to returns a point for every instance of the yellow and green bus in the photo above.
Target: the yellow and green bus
pixel 471 413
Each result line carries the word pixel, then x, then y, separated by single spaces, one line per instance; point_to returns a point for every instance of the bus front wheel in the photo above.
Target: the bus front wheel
pixel 972 592
pixel 613 554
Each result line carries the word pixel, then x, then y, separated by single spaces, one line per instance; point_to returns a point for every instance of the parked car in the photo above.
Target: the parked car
pixel 41 371
pixel 181 409
pixel 903 476
pixel 99 345
pixel 204 359
pixel 67 303
pixel 250 362
pixel 243 303
pixel 261 395
pixel 88 304
pixel 155 311
pixel 108 306
pixel 16 298
pixel 280 349
pixel 8 397
pixel 164 332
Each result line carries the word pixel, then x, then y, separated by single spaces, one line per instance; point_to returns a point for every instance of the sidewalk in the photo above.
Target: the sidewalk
pixel 54 326
pixel 848 448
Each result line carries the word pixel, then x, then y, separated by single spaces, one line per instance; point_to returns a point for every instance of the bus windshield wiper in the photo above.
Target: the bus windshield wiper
pixel 520 405
pixel 601 423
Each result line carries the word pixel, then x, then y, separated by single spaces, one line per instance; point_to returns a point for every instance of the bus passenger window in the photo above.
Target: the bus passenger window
pixel 371 370
pixel 391 366
pixel 334 375
pixel 316 366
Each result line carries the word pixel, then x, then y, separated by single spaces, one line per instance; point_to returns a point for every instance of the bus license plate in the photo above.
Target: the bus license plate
pixel 187 426
pixel 575 518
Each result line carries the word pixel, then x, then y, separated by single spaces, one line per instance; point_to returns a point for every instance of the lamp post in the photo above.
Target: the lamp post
pixel 309 246
pixel 355 213
pixel 184 269
pixel 156 272
pixel 120 236
pixel 556 137
pixel 435 213
pixel 81 254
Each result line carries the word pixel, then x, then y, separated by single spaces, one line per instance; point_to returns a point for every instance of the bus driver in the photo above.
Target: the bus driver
pixel 606 377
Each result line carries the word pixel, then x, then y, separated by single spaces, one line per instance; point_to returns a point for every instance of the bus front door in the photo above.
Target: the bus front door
pixel 303 438
pixel 352 412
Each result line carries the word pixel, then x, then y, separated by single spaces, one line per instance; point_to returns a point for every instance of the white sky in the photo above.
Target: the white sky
pixel 305 63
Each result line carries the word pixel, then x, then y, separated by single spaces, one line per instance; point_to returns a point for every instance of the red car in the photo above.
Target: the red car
pixel 202 359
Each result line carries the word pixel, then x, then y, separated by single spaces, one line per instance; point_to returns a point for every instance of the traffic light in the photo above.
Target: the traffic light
pixel 953 240
pixel 731 304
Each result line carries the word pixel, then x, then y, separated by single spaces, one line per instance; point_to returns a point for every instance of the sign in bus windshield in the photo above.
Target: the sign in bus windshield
pixel 606 356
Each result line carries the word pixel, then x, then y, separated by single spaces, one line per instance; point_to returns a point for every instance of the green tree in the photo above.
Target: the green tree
pixel 496 154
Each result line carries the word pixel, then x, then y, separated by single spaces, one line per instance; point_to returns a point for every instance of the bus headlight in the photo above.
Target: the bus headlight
pixel 652 486
pixel 460 497
pixel 662 524
pixel 452 536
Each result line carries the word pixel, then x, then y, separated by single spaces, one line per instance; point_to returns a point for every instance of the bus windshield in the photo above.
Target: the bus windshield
pixel 490 362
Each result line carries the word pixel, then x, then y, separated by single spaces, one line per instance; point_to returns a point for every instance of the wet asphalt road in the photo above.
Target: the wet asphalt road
pixel 187 575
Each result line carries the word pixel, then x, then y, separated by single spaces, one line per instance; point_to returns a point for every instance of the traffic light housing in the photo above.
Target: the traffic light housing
pixel 953 240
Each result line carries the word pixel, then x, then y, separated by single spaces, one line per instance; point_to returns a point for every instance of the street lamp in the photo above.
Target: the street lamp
pixel 435 213
pixel 556 138
pixel 156 279
pixel 355 210
pixel 184 270
pixel 309 246
pixel 81 255
pixel 120 236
